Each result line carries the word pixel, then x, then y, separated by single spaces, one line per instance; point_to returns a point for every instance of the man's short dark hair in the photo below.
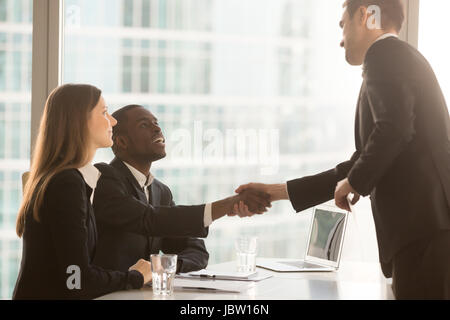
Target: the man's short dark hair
pixel 121 116
pixel 392 11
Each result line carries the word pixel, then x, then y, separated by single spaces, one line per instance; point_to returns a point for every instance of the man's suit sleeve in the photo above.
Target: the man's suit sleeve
pixel 115 207
pixel 312 190
pixel 192 254
pixel 392 106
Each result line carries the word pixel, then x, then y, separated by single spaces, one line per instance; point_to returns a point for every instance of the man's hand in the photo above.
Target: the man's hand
pixel 245 204
pixel 343 189
pixel 251 202
pixel 276 191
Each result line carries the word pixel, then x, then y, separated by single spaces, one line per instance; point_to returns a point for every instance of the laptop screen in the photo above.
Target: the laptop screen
pixel 326 234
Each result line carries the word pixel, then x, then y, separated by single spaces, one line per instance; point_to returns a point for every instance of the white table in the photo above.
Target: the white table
pixel 353 281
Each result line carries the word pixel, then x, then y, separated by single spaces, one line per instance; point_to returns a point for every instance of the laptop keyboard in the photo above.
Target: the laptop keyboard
pixel 302 264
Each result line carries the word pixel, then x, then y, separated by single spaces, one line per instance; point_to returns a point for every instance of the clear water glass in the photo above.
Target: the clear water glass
pixel 246 248
pixel 164 267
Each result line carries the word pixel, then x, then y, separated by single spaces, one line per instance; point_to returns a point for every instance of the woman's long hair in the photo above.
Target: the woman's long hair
pixel 61 143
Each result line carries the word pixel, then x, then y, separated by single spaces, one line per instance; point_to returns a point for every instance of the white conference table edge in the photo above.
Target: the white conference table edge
pixel 353 281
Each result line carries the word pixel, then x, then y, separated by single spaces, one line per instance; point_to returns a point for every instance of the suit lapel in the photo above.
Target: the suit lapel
pixel 133 184
pixel 357 139
pixel 138 191
pixel 155 194
pixel 358 116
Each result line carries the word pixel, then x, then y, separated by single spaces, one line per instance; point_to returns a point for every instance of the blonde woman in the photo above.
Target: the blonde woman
pixel 56 219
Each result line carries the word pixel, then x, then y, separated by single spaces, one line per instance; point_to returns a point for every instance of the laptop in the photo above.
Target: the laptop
pixel 324 248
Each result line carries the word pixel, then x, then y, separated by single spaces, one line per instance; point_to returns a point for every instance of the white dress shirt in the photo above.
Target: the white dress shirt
pixel 91 175
pixel 386 35
pixel 144 182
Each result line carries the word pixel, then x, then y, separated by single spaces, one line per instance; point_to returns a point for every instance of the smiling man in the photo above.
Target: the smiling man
pixel 135 212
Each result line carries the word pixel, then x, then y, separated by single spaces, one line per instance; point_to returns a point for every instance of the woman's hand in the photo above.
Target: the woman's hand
pixel 145 268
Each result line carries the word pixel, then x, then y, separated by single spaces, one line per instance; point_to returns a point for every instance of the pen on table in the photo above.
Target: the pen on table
pixel 205 276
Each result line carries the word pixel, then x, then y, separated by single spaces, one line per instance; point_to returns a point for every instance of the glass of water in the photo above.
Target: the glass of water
pixel 246 253
pixel 164 267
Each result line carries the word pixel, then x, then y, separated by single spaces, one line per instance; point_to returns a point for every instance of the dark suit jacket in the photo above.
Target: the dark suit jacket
pixel 130 228
pixel 402 158
pixel 66 235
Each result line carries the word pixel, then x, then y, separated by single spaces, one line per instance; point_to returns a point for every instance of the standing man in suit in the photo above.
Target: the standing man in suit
pixel 402 158
pixel 135 212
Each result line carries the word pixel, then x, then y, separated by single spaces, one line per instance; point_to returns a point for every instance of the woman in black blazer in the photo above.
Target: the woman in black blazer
pixel 56 219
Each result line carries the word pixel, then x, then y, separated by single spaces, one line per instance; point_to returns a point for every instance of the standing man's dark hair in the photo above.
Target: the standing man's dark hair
pixel 392 11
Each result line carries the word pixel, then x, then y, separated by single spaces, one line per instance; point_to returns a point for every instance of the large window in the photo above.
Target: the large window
pixel 245 91
pixel 15 100
pixel 433 19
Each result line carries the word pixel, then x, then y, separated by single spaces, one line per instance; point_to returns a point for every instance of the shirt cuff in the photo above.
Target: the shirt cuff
pixel 287 191
pixel 207 215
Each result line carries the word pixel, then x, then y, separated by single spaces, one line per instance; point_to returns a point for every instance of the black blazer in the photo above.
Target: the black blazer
pixel 130 228
pixel 66 236
pixel 402 158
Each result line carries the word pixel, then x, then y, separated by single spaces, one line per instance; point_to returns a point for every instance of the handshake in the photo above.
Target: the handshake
pixel 256 198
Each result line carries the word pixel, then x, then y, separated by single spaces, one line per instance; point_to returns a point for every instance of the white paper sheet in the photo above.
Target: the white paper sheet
pixel 221 275
pixel 208 285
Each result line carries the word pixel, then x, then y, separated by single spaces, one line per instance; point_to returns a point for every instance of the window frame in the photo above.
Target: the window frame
pixel 46 58
pixel 410 29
